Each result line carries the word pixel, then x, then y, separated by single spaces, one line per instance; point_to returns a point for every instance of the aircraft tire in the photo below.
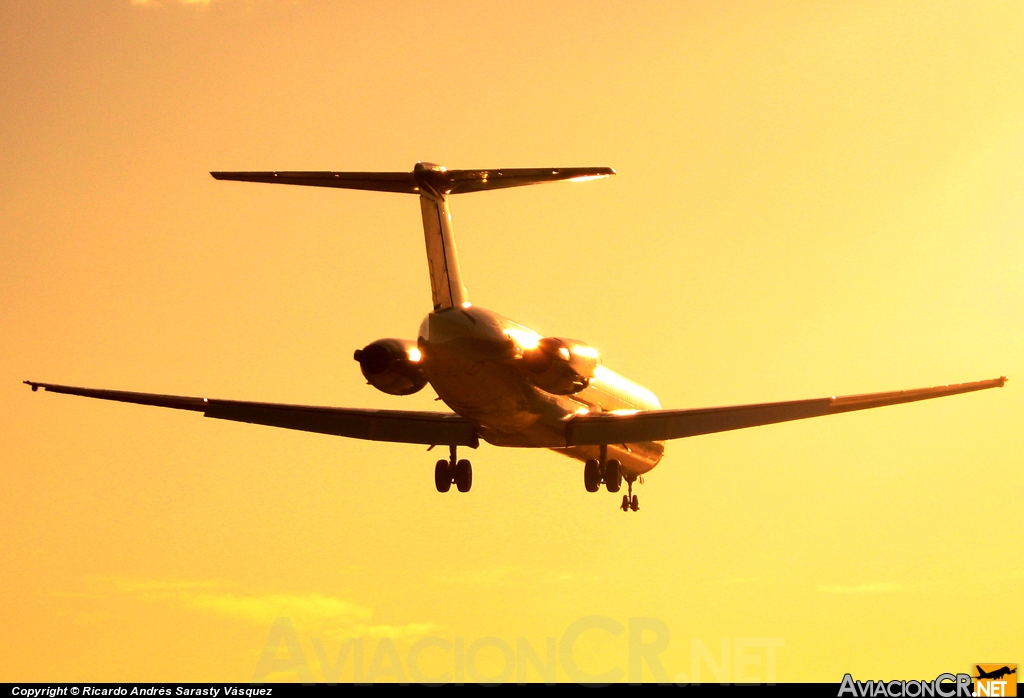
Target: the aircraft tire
pixel 442 478
pixel 463 475
pixel 612 475
pixel 592 475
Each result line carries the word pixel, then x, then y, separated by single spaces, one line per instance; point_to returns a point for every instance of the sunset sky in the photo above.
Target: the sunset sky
pixel 812 199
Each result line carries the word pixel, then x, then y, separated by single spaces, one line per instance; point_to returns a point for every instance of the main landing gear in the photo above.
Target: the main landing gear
pixel 453 470
pixel 609 472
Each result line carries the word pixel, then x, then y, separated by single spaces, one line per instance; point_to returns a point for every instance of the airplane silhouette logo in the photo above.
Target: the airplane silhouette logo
pixel 992 680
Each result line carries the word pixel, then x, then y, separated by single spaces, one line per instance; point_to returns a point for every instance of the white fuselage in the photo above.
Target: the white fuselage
pixel 472 358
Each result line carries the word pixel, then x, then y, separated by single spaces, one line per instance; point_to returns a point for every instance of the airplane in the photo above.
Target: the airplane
pixel 505 383
pixel 994 674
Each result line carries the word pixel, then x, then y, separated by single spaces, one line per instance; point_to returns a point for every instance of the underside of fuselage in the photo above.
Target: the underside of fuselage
pixel 473 360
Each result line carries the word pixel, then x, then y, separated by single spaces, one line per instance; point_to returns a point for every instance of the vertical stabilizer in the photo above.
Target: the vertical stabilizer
pixel 442 257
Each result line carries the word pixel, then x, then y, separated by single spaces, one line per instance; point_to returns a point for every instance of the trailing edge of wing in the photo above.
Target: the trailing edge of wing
pixel 429 428
pixel 662 425
pixel 425 175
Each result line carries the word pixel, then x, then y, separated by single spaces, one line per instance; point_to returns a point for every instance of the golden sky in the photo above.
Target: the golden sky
pixel 812 199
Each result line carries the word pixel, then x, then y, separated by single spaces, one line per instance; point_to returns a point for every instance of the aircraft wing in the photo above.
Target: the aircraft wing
pixel 429 428
pixel 661 425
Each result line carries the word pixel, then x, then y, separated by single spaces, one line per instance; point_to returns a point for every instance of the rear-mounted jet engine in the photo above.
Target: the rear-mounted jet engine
pixel 560 366
pixel 392 366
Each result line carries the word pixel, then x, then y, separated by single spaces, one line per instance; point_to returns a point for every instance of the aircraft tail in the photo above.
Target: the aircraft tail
pixel 433 184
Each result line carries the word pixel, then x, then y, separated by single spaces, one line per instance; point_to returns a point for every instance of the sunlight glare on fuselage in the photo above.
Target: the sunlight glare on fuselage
pixel 585 351
pixel 623 388
pixel 523 337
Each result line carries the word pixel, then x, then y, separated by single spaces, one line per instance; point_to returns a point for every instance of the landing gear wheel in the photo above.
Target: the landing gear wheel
pixel 634 503
pixel 612 475
pixel 442 476
pixel 625 502
pixel 592 475
pixel 463 475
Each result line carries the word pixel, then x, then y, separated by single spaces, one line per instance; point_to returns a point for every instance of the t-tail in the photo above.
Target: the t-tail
pixel 433 184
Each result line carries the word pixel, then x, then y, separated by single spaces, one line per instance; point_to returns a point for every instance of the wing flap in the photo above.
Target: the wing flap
pixel 428 428
pixel 662 425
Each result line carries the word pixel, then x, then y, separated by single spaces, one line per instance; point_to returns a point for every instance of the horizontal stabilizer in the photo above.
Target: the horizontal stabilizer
pixel 424 179
pixel 465 181
pixel 399 182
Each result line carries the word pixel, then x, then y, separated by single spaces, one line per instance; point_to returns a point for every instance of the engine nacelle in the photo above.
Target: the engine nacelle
pixel 560 366
pixel 392 366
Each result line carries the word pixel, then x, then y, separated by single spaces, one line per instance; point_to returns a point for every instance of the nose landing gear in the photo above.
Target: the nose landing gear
pixel 451 471
pixel 630 501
